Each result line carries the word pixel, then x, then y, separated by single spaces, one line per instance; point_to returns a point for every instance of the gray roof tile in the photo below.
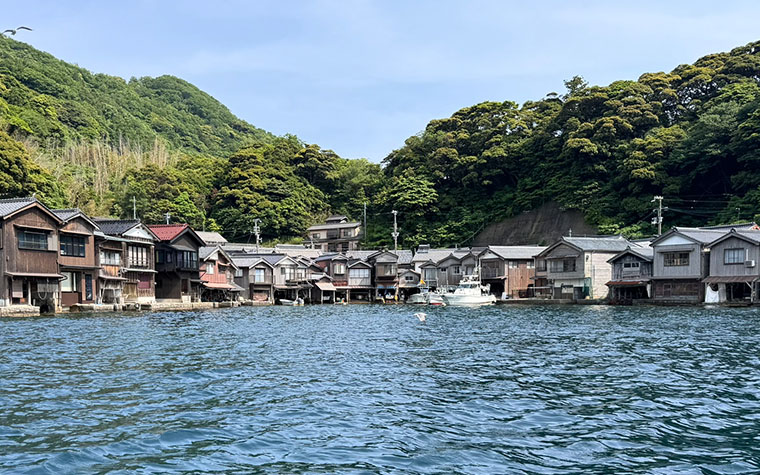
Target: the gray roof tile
pixel 11 205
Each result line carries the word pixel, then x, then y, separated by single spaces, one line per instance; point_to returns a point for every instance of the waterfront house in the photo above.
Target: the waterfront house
pixel 680 263
pixel 78 257
pixel 408 282
pixel 385 274
pixel 337 234
pixel 360 284
pixel 631 274
pixel 334 266
pixel 217 272
pixel 509 270
pixel 178 274
pixel 290 279
pixel 734 273
pixel 578 267
pixel 29 254
pixel 127 252
pixel 255 274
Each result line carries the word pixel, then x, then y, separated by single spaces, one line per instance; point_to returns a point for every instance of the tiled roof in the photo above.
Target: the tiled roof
pixel 249 260
pixel 205 251
pixel 405 256
pixel 704 236
pixel 599 243
pixel 211 237
pixel 516 252
pixel 116 227
pixel 68 213
pixel 167 232
pixel 360 255
pixel 434 255
pixel 12 205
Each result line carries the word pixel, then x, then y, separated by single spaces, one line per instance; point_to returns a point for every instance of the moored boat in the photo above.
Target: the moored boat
pixel 469 292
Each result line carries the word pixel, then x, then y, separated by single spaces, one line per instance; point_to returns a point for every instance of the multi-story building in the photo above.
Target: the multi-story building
pixel 631 274
pixel 578 267
pixel 509 270
pixel 78 257
pixel 338 234
pixel 127 261
pixel 217 271
pixel 29 254
pixel 734 272
pixel 178 274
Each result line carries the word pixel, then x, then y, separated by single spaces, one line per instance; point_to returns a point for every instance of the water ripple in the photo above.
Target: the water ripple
pixel 369 389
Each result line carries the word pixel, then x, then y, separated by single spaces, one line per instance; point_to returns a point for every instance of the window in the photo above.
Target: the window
pixel 564 265
pixel 541 265
pixel 673 259
pixel 289 272
pixel 187 259
pixel 513 264
pixel 209 268
pixel 348 232
pixel 238 272
pixel 386 269
pixel 530 264
pixel 734 256
pixel 430 274
pixel 138 256
pixel 32 240
pixel 359 273
pixel 70 282
pixel 457 270
pixel 409 278
pixel 259 275
pixel 339 268
pixel 631 265
pixel 72 245
pixel 110 258
pixel 316 236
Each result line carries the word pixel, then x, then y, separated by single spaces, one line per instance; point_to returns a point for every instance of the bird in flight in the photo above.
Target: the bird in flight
pixel 13 32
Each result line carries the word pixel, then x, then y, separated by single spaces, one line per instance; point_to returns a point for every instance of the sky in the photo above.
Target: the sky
pixel 359 77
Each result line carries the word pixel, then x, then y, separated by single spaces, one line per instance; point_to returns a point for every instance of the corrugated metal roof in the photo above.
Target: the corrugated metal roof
pixel 167 232
pixel 211 237
pixel 320 227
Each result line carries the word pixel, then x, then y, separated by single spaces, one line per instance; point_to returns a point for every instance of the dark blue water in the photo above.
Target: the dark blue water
pixel 365 389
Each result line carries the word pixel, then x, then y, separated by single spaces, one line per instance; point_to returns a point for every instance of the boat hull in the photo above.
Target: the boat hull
pixel 469 300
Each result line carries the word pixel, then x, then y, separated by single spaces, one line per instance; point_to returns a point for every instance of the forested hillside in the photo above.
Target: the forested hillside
pixel 692 135
pixel 99 142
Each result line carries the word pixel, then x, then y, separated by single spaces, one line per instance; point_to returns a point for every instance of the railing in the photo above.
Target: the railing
pixel 489 273
pixel 360 281
pixel 631 275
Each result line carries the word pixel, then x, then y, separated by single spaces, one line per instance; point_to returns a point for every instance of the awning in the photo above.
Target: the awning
pixel 180 247
pixel 326 286
pixel 729 279
pixel 236 288
pixel 217 285
pixel 626 283
pixel 562 256
pixel 110 277
pixel 66 266
pixel 34 274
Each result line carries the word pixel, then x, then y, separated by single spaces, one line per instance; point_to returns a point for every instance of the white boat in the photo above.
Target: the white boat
pixel 434 298
pixel 292 303
pixel 469 292
pixel 417 299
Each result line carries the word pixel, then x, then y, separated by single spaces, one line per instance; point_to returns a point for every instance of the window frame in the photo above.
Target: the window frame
pixel 741 251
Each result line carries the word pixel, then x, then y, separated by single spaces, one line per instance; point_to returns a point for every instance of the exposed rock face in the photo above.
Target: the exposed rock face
pixel 542 226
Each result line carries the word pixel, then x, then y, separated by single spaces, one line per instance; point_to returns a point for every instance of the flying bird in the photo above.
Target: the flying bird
pixel 421 316
pixel 13 32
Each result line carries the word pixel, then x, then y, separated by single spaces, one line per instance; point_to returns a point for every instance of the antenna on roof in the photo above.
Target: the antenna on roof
pixel 168 216
pixel 134 207
pixel 570 232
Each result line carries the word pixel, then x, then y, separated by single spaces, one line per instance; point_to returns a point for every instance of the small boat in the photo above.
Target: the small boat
pixel 419 298
pixel 434 298
pixel 292 303
pixel 469 292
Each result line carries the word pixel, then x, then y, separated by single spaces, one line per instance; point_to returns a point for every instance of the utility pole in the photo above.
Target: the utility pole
pixel 364 229
pixel 395 232
pixel 256 231
pixel 659 214
pixel 167 215
pixel 134 208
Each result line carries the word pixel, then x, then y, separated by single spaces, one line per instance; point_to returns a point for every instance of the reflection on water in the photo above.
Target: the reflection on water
pixel 372 389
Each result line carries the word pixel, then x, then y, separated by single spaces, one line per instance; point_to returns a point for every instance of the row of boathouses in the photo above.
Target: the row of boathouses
pixel 59 259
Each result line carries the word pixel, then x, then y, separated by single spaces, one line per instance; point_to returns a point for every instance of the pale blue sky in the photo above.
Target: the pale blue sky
pixel 361 76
